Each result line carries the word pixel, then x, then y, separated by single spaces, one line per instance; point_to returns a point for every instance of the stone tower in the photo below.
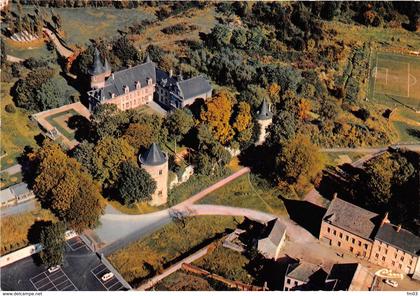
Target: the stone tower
pixel 98 71
pixel 264 118
pixel 155 162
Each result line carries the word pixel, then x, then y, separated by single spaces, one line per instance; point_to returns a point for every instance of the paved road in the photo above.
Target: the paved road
pixel 62 50
pixel 19 208
pixel 13 169
pixel 413 147
pixel 13 59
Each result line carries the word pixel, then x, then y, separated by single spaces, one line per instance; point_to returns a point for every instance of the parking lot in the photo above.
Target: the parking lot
pixel 81 270
pixel 55 281
pixel 110 285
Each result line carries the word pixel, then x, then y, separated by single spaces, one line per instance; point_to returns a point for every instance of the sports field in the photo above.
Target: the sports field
pixel 395 79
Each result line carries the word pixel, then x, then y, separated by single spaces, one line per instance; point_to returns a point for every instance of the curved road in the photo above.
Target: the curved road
pixel 62 50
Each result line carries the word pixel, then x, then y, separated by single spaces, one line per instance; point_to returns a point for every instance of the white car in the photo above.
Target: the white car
pixel 53 268
pixel 107 276
pixel 392 283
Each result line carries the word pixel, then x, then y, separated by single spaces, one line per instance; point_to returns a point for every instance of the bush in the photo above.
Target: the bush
pixel 10 108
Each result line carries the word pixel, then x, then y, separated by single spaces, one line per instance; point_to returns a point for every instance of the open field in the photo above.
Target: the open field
pixel 395 78
pixel 9 180
pixel 17 130
pixel 154 253
pixel 183 281
pixel 14 229
pixel 248 192
pixel 137 209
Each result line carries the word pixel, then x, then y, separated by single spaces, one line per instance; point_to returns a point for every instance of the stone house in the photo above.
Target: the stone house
pixel 15 194
pixel 304 276
pixel 272 239
pixel 175 92
pixel 370 236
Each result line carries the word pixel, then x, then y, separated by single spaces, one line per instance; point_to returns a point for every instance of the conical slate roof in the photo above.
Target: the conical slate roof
pixel 107 66
pixel 153 156
pixel 264 112
pixel 97 66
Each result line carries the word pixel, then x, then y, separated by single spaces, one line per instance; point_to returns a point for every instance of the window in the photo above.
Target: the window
pixel 328 229
pixel 347 238
pixel 339 244
pixel 335 232
pixel 386 251
pixel 395 256
pixel 383 258
pixel 400 265
pixel 351 249
pixel 341 235
pixel 353 240
pixel 160 193
pixel 366 246
pixel 402 258
pixel 411 262
pixel 379 249
pixel 296 283
pixel 393 263
pixel 376 255
pixel 288 281
pixel 360 243
pixel 160 172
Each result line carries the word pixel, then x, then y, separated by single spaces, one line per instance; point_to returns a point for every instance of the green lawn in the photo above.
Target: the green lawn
pixel 248 191
pixel 17 131
pixel 164 247
pixel 9 180
pixel 53 120
pixel 408 133
pixel 183 281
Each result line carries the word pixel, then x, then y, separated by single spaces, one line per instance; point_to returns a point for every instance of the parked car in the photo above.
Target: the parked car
pixel 107 276
pixel 53 268
pixel 392 283
pixel 70 234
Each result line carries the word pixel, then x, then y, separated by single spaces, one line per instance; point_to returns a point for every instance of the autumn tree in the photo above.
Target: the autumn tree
pixel 217 113
pixel 108 120
pixel 52 239
pixel 140 135
pixel 243 125
pixel 135 184
pixel 299 160
pixel 274 92
pixel 304 109
pixel 66 188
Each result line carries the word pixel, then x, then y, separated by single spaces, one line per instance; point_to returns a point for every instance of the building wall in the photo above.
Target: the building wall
pixel 134 98
pixel 3 4
pixel 291 283
pixel 263 130
pixel 98 81
pixel 160 174
pixel 192 100
pixel 390 257
pixel 337 237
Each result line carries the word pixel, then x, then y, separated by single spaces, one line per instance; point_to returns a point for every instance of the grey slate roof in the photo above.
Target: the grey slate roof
pixel 341 276
pixel 193 87
pixel 128 77
pixel 352 218
pixel 20 188
pixel 264 112
pixel 97 67
pixel 302 271
pixel 153 156
pixel 6 195
pixel 403 239
pixel 276 230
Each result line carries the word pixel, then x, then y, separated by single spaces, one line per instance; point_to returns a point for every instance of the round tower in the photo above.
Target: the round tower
pixel 98 71
pixel 264 119
pixel 155 162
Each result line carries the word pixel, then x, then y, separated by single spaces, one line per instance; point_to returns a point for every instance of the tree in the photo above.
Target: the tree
pixel 135 184
pixel 243 124
pixel 125 50
pixel 219 36
pixel 304 109
pixel 299 160
pixel 108 120
pixel 217 114
pixel 140 135
pixel 66 188
pixel 50 96
pixel 179 123
pixel 52 239
pixel 108 156
pixel 282 129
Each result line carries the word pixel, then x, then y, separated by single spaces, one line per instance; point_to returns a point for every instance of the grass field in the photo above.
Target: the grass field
pixel 14 229
pixel 9 180
pixel 255 194
pixel 395 78
pixel 17 131
pixel 60 122
pixel 183 281
pixel 154 253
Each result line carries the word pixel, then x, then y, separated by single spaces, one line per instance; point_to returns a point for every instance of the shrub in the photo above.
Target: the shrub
pixel 10 108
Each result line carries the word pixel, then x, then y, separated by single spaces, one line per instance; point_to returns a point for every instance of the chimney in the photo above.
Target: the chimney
pixel 335 195
pixel 112 76
pixel 171 73
pixel 398 228
pixel 385 219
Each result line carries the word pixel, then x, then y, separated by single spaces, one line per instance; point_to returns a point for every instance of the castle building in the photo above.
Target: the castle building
pixel 135 86
pixel 129 88
pixel 264 119
pixel 155 162
pixel 175 92
pixel 370 236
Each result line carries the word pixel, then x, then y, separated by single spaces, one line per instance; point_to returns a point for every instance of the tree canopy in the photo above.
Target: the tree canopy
pixel 53 241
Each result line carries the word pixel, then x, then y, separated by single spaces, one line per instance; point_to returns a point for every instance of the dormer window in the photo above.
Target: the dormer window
pixel 112 95
pixel 149 81
pixel 138 85
pixel 126 89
